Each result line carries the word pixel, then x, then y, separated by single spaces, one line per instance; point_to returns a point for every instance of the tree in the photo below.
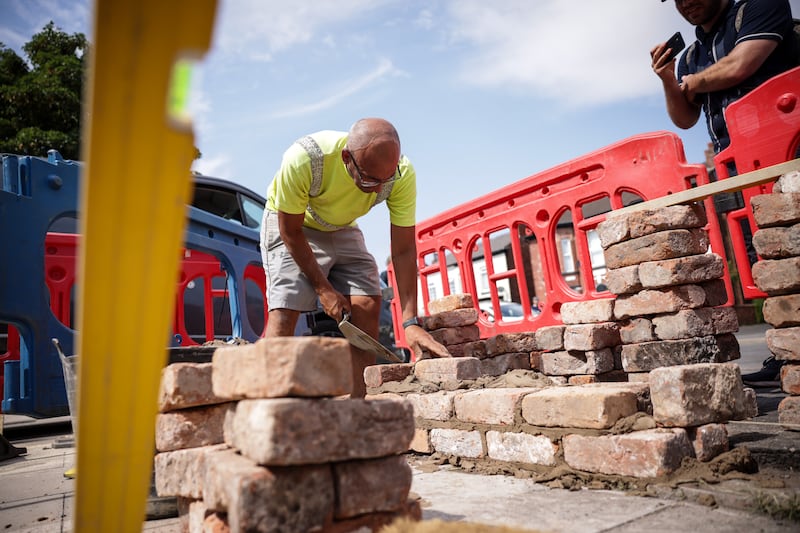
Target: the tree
pixel 40 100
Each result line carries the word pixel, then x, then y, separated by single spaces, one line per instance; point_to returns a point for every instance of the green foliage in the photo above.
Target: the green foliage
pixel 40 100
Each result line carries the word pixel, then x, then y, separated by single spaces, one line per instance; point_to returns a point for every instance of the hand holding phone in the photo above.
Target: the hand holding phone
pixel 675 44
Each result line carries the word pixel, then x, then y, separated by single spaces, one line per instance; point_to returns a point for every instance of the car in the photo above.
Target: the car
pixel 511 311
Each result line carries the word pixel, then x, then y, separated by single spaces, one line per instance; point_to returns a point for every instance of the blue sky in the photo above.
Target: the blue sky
pixel 483 93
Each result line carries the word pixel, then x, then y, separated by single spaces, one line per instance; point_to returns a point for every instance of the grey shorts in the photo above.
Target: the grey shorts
pixel 342 255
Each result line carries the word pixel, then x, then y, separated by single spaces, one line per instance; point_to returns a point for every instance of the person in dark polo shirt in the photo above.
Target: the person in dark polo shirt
pixel 739 46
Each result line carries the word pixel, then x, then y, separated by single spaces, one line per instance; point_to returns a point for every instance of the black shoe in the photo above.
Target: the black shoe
pixel 768 376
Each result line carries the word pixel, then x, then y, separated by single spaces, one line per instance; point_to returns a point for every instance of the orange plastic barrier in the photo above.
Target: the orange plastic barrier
pixel 551 215
pixel 765 130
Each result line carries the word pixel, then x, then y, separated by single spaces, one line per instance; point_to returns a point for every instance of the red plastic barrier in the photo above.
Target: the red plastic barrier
pixel 765 130
pixel 646 166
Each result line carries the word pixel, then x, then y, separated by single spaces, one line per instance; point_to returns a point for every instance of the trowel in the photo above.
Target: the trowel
pixel 361 340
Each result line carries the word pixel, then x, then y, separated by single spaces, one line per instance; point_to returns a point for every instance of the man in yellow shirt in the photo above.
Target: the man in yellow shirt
pixel 313 249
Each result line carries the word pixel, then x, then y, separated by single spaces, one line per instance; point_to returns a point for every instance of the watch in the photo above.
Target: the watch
pixel 414 321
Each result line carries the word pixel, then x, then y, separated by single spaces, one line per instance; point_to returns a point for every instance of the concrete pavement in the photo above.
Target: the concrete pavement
pixel 35 496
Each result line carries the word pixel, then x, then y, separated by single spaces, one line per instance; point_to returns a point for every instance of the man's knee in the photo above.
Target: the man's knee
pixel 281 323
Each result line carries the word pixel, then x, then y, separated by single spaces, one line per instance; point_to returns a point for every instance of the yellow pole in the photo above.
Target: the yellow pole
pixel 137 183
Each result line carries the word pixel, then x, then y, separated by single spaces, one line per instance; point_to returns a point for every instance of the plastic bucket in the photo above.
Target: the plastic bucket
pixel 70 366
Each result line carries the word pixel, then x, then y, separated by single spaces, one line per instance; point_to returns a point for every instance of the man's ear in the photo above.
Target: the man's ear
pixel 346 156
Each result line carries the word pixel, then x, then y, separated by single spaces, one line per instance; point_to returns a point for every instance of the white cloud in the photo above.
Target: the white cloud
pixel 219 165
pixel 594 54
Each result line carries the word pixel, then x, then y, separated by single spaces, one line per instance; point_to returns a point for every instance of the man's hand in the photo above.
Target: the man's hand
pixel 423 345
pixel 334 303
pixel 662 66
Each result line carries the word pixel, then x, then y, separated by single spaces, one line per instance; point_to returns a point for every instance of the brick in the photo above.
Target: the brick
pixel 588 311
pixel 612 376
pixel 372 485
pixel 510 342
pixel 450 303
pixel 728 348
pixel 790 379
pixel 223 470
pixel 594 407
pixel 421 443
pixel 288 431
pixel 708 441
pixel 377 375
pixel 520 448
pixel 550 338
pixel 191 428
pixel 618 228
pixel 411 512
pixel 502 364
pixel 490 406
pixel 434 406
pixel 536 361
pixel 682 270
pixel 782 311
pixel 192 513
pixel 468 349
pixel 658 301
pixel 283 366
pixel 180 472
pixel 585 337
pixel 569 363
pixel 452 369
pixel 789 412
pixel 282 499
pixel 789 182
pixel 784 343
pixel 457 442
pixel 215 523
pixel 185 385
pixel 716 293
pixel 640 389
pixel 777 276
pixel 458 335
pixel 450 319
pixel 647 356
pixel 636 330
pixel 656 247
pixel 623 280
pixel 641 454
pixel 696 323
pixel 693 395
pixel 777 243
pixel 776 209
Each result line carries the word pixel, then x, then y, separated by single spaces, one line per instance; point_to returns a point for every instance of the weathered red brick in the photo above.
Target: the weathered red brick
pixel 289 431
pixel 468 349
pixel 371 485
pixel 658 301
pixel 682 270
pixel 777 243
pixel 186 385
pixel 520 448
pixel 585 337
pixel 459 442
pixel 434 406
pixel 784 343
pixel 450 303
pixel 656 247
pixel 693 395
pixel 587 311
pixel 716 293
pixel 776 209
pixel 790 378
pixel 621 227
pixel 696 323
pixel 283 366
pixel 708 440
pixel 190 428
pixel 550 338
pixel 623 280
pixel 649 453
pixel 636 330
pixel 421 443
pixel 777 276
pixel 569 363
pixel 377 375
pixel 789 182
pixel 450 319
pixel 789 412
pixel 501 364
pixel 490 406
pixel 589 406
pixel 451 369
pixel 510 342
pixel 647 356
pixel 782 311
pixel 181 472
pixel 458 335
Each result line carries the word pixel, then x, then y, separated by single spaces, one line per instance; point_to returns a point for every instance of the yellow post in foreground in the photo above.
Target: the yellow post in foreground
pixel 133 209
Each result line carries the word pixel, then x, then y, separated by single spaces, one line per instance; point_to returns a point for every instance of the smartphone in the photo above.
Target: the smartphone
pixel 676 44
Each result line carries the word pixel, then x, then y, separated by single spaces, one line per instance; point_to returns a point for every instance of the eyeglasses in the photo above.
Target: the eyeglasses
pixel 370 181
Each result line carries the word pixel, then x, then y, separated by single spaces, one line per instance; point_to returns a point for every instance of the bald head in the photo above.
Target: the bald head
pixel 376 138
